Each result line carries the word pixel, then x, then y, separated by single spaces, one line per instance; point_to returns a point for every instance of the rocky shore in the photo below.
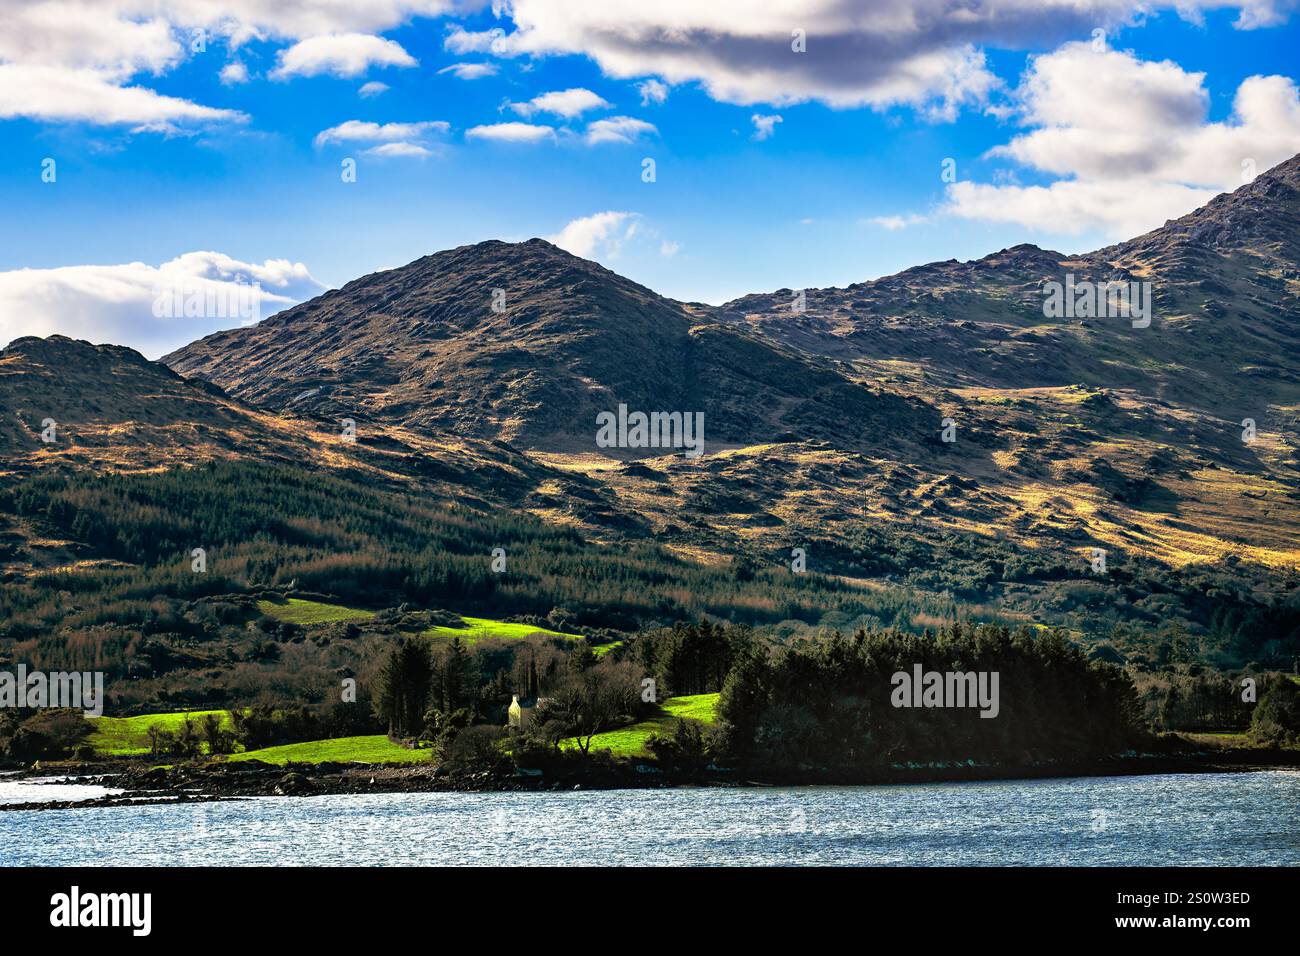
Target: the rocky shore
pixel 202 782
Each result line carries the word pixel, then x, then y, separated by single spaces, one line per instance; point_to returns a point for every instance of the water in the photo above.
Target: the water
pixel 1194 819
pixel 48 790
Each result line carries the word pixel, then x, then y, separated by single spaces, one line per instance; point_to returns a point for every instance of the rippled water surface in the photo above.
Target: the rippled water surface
pixel 1195 819
pixel 47 790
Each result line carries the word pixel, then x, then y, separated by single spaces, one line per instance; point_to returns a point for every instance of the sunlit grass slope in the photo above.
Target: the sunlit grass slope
pixel 630 741
pixel 375 748
pixel 128 736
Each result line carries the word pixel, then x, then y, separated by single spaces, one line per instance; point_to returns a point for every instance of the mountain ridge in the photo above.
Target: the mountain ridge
pixel 1066 435
pixel 542 340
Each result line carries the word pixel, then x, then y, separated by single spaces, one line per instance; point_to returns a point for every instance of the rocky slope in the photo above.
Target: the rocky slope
pixel 1225 329
pixel 1070 434
pixel 116 412
pixel 425 347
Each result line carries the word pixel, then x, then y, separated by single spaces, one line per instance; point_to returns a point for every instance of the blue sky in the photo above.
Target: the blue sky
pixel 1069 129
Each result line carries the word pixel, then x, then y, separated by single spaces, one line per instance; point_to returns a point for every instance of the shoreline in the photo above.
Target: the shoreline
pixel 208 783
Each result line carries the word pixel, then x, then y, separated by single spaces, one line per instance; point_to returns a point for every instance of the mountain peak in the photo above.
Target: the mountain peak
pixel 54 348
pixel 523 342
pixel 1262 216
pixel 107 397
pixel 1287 171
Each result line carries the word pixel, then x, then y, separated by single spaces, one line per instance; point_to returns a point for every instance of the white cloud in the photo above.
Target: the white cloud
pixel 74 36
pixel 652 91
pixel 400 149
pixel 243 20
pixel 460 40
pixel 393 139
pixel 924 53
pixel 372 89
pixel 894 223
pixel 764 126
pixel 362 131
pixel 1120 209
pixel 604 235
pixel 470 71
pixel 61 95
pixel 63 59
pixel 601 234
pixel 1128 143
pixel 567 103
pixel 511 132
pixel 880 54
pixel 927 54
pixel 618 129
pixel 1254 14
pixel 128 304
pixel 233 73
pixel 344 55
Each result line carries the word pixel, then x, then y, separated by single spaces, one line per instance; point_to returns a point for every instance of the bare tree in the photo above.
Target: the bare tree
pixel 591 700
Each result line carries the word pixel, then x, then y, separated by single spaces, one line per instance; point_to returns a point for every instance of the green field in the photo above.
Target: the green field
pixel 630 741
pixel 299 611
pixel 371 749
pixel 128 736
pixel 477 628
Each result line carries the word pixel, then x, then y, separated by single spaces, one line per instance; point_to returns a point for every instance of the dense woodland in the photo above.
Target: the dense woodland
pixel 170 638
pixel 823 707
pixel 819 708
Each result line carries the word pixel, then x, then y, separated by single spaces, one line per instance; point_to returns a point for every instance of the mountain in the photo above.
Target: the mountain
pixel 1224 330
pixel 109 402
pixel 1103 434
pixel 826 427
pixel 115 412
pixel 424 346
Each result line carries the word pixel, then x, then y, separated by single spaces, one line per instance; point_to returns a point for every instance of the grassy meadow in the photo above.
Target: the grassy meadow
pixel 630 741
pixel 129 736
pixel 375 748
pixel 304 612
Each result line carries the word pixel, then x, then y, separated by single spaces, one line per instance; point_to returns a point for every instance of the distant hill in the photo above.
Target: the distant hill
pixel 824 426
pixel 116 412
pixel 1225 330
pixel 424 346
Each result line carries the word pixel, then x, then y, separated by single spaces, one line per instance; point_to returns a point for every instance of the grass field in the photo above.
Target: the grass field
pixel 299 611
pixel 477 628
pixel 630 741
pixel 128 736
pixel 371 749
pixel 304 612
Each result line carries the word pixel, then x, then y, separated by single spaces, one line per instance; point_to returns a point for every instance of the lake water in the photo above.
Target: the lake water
pixel 1193 819
pixel 48 790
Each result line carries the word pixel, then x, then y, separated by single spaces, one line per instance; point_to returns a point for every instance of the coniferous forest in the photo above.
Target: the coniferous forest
pixel 802 661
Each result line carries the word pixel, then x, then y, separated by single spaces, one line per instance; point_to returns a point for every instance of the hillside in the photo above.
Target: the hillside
pixel 475 430
pixel 1071 434
pixel 1225 285
pixel 424 346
